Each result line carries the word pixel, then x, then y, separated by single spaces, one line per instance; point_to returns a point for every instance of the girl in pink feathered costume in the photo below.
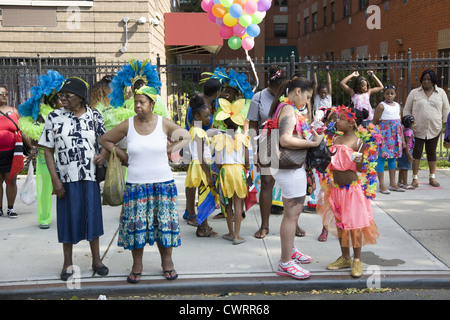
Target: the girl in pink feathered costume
pixel 343 204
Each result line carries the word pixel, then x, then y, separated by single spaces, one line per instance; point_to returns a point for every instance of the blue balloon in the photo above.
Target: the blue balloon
pixel 253 30
pixel 216 1
pixel 235 10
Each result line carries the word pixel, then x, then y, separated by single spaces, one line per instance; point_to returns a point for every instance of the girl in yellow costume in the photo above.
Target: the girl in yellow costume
pixel 199 172
pixel 232 157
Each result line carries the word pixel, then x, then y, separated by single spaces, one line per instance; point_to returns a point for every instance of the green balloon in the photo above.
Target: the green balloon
pixel 245 20
pixel 226 3
pixel 257 17
pixel 234 42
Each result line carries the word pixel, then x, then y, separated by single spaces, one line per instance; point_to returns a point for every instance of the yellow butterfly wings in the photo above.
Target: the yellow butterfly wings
pixel 231 110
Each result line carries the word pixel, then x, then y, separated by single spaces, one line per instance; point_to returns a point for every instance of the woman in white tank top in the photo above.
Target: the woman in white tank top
pixel 150 197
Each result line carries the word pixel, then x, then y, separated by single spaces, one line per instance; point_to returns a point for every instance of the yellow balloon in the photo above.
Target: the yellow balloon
pixel 228 20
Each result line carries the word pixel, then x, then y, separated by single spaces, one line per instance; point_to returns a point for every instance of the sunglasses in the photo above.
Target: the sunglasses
pixel 5 94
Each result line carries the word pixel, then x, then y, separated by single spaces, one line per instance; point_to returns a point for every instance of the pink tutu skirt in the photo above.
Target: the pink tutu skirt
pixel 347 214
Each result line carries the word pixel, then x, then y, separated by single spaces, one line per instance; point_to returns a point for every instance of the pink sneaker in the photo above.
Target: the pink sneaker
pixel 293 270
pixel 299 257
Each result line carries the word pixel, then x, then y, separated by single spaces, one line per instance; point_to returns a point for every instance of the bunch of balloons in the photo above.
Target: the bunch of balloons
pixel 238 19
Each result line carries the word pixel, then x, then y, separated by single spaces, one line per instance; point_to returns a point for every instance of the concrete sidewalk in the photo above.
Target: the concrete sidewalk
pixel 412 252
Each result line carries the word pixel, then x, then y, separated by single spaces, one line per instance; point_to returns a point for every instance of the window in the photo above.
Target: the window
pixel 28 16
pixel 324 16
pixel 306 24
pixel 332 12
pixel 280 2
pixel 363 4
pixel 280 30
pixel 347 8
pixel 314 21
pixel 48 3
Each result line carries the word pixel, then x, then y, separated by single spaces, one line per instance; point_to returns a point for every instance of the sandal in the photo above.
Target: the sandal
pixel 324 235
pixel 219 216
pixel 396 189
pixel 299 232
pixel 66 275
pixel 189 217
pixel 168 274
pixel 208 232
pixel 259 234
pixel 415 184
pixel 434 183
pixel 101 271
pixel 135 275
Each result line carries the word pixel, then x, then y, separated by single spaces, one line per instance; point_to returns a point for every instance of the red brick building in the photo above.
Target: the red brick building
pixel 346 29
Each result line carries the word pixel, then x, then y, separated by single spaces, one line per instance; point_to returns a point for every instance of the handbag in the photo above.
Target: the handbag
pixel 270 149
pixel 114 182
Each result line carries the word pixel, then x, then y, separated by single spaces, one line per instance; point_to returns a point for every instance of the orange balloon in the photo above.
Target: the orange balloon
pixel 218 10
pixel 240 2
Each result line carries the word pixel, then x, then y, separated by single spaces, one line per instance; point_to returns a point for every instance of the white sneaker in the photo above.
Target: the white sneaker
pixel 293 270
pixel 299 257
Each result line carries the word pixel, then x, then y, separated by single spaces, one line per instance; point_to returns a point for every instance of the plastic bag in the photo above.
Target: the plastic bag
pixel 114 182
pixel 28 191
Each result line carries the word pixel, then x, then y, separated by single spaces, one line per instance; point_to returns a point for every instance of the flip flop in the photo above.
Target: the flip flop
pixel 259 234
pixel 135 280
pixel 299 232
pixel 238 241
pixel 385 192
pixel 229 238
pixel 169 276
pixel 396 189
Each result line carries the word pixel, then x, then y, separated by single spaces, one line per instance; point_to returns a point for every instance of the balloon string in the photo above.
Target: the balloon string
pixel 254 70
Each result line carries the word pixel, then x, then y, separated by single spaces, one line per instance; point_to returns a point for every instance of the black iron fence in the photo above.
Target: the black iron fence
pixel 180 81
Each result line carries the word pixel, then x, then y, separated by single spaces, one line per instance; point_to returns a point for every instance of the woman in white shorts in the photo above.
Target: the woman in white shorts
pixel 292 133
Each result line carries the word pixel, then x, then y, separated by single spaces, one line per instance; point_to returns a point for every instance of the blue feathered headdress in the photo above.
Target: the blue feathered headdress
pixel 129 74
pixel 48 85
pixel 234 79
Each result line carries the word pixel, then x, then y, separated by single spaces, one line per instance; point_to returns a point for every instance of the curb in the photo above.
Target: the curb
pixel 218 286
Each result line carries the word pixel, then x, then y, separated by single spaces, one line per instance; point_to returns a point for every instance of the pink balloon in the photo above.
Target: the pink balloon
pixel 239 30
pixel 226 32
pixel 264 5
pixel 219 21
pixel 207 5
pixel 211 17
pixel 250 7
pixel 248 43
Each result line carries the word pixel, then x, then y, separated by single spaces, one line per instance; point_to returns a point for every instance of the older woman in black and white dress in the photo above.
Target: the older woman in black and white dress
pixel 69 138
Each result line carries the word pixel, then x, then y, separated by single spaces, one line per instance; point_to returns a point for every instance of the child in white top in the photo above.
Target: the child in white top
pixel 387 117
pixel 322 92
pixel 361 92
pixel 232 158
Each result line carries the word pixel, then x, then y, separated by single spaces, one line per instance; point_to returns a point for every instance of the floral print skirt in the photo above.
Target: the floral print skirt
pixel 391 142
pixel 150 213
